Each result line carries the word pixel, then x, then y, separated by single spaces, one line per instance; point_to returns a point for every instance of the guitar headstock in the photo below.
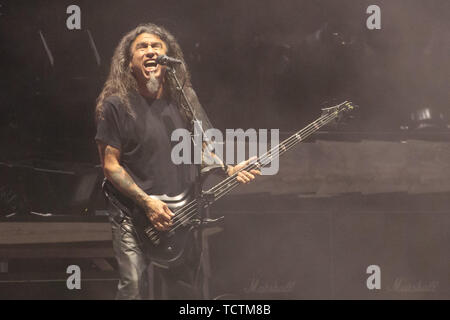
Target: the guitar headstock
pixel 343 107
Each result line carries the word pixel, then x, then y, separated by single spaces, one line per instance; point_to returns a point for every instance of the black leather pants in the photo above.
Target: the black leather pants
pixel 178 283
pixel 132 262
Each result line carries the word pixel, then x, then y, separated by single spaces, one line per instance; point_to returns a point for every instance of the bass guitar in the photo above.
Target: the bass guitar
pixel 166 248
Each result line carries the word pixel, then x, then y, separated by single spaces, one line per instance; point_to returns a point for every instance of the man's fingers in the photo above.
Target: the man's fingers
pixel 255 171
pixel 240 179
pixel 243 177
pixel 161 217
pixel 162 225
pixel 167 210
pixel 248 175
pixel 165 215
pixel 159 226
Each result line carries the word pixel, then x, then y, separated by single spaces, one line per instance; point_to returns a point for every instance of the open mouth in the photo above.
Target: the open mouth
pixel 150 65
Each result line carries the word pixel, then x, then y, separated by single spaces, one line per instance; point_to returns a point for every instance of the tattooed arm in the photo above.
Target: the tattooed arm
pixel 156 210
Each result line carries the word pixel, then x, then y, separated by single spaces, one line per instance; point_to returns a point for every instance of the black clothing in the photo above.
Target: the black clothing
pixel 131 259
pixel 182 282
pixel 145 145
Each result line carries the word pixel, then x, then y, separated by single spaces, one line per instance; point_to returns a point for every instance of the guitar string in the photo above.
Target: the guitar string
pixel 274 152
pixel 263 158
pixel 287 146
pixel 190 209
pixel 190 213
pixel 293 137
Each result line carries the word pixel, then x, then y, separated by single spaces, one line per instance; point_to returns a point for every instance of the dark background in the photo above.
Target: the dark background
pixel 374 191
pixel 259 64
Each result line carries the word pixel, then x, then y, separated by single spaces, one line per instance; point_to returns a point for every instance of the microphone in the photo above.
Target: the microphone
pixel 167 61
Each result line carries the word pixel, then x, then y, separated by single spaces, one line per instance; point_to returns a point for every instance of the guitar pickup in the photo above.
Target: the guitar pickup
pixel 208 197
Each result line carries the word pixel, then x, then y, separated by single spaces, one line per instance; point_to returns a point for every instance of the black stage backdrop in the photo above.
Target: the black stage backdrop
pixel 373 191
pixel 255 64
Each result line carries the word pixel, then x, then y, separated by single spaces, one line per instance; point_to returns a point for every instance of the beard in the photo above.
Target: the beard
pixel 153 84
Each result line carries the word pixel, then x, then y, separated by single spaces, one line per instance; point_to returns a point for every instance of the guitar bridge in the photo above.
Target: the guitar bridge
pixel 207 198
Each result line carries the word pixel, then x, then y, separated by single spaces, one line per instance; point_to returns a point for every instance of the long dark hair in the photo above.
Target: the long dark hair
pixel 121 82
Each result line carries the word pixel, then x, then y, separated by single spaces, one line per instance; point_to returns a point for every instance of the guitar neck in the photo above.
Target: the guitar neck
pixel 231 182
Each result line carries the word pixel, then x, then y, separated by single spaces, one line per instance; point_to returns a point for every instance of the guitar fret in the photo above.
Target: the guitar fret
pixel 187 212
pixel 330 114
pixel 228 184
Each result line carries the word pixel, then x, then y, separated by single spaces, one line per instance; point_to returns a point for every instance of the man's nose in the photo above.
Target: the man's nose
pixel 150 52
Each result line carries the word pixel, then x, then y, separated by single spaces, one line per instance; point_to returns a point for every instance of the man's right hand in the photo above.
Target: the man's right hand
pixel 159 214
pixel 157 211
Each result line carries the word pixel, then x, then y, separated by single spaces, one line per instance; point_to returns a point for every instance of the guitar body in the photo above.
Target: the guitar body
pixel 165 248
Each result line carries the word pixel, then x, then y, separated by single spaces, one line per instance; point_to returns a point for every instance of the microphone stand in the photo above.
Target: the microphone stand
pixel 203 198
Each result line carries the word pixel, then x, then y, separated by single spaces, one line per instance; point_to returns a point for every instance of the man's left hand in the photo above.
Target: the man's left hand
pixel 242 175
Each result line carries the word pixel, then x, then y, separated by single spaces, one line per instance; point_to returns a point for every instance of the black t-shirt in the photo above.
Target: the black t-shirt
pixel 144 142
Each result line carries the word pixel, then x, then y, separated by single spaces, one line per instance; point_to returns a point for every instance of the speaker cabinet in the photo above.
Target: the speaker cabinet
pixel 326 255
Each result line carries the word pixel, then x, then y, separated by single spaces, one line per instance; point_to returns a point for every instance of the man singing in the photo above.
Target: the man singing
pixel 136 112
